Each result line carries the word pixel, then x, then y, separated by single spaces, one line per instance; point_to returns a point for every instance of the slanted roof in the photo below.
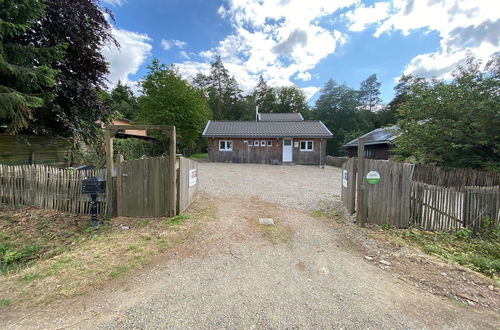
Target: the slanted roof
pixel 266 129
pixel 377 136
pixel 291 116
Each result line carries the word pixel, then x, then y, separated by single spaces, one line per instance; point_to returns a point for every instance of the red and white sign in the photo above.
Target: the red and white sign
pixel 193 177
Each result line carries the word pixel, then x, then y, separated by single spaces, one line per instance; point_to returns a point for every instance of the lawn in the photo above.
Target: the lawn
pixel 47 255
pixel 199 156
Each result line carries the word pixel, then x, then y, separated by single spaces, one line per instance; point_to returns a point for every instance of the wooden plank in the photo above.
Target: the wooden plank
pixel 361 215
pixel 164 128
pixel 109 171
pixel 172 173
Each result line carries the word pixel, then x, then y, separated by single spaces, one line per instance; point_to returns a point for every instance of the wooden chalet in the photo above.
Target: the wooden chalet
pixel 282 138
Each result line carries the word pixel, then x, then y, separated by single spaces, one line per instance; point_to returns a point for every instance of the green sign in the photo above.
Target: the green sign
pixel 373 177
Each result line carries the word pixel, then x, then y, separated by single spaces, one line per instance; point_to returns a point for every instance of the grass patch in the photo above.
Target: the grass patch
pixel 45 260
pixel 278 233
pixel 178 219
pixel 199 156
pixel 5 302
pixel 479 252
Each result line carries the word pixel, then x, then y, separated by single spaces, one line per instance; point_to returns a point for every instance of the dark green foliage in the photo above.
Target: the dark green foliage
pixel 122 101
pixel 455 124
pixel 82 27
pixel 369 93
pixel 137 148
pixel 222 92
pixel 26 76
pixel 339 108
pixel 169 100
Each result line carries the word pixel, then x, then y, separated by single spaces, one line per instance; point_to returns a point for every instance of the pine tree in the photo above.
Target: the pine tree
pixel 25 76
pixel 369 94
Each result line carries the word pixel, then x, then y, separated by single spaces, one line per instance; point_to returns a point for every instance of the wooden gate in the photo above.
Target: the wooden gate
pixel 142 187
pixel 387 202
pixel 187 183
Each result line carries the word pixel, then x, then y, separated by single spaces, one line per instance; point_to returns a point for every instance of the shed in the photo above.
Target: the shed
pixel 378 143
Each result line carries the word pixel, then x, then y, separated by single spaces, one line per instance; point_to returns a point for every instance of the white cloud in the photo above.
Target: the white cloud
pixel 179 44
pixel 304 76
pixel 184 54
pixel 126 60
pixel 165 44
pixel 117 3
pixel 275 38
pixel 363 16
pixel 465 25
pixel 310 91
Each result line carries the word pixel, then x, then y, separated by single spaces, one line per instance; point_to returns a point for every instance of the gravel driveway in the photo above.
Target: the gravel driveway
pixel 301 187
pixel 232 276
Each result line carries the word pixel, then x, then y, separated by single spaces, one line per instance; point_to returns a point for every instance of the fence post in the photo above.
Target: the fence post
pixel 109 171
pixel 119 182
pixel 361 214
pixel 172 184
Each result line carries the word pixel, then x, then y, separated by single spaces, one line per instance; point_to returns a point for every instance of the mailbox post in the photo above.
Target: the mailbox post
pixel 94 186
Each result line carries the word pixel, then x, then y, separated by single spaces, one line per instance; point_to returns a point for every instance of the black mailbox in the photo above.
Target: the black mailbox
pixel 94 185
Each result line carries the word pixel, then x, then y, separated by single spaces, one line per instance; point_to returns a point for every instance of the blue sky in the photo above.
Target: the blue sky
pixel 302 42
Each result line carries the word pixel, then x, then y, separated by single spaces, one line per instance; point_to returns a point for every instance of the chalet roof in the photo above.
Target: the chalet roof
pixel 291 116
pixel 267 129
pixel 377 136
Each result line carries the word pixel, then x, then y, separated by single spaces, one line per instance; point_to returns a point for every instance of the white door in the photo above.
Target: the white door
pixel 287 150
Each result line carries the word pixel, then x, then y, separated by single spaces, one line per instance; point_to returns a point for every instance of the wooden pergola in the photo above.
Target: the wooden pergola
pixel 110 132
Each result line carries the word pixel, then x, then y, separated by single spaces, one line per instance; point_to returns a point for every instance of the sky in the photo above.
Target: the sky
pixel 302 42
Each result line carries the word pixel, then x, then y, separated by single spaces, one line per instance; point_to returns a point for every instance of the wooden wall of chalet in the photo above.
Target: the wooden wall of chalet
pixel 243 153
pixel 378 151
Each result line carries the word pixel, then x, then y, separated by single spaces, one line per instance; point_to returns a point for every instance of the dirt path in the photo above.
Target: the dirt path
pixel 232 276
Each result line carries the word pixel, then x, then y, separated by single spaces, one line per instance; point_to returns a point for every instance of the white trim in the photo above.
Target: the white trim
pixel 325 127
pixel 225 144
pixel 306 149
pixel 206 127
pixel 300 115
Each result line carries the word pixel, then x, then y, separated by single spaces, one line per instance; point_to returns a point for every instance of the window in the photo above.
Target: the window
pixel 306 146
pixel 225 145
pixel 287 142
pixel 250 143
pixel 256 143
pixel 262 143
pixel 269 143
pixel 369 153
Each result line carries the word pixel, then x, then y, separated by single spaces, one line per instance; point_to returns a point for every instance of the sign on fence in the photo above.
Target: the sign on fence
pixel 344 178
pixel 373 177
pixel 193 176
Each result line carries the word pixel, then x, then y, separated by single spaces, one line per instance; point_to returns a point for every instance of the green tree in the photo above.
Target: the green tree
pixel 169 100
pixel 265 96
pixel 369 93
pixel 291 99
pixel 221 90
pixel 123 102
pixel 82 27
pixel 26 77
pixel 338 107
pixel 453 124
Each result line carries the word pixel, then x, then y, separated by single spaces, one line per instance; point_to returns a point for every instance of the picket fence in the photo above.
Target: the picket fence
pixel 47 187
pixel 404 197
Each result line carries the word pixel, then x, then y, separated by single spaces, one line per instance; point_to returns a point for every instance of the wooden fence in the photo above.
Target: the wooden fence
pixel 187 183
pixel 336 161
pixel 399 200
pixel 141 187
pixel 349 185
pixel 47 187
pixel 387 202
pixel 451 208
